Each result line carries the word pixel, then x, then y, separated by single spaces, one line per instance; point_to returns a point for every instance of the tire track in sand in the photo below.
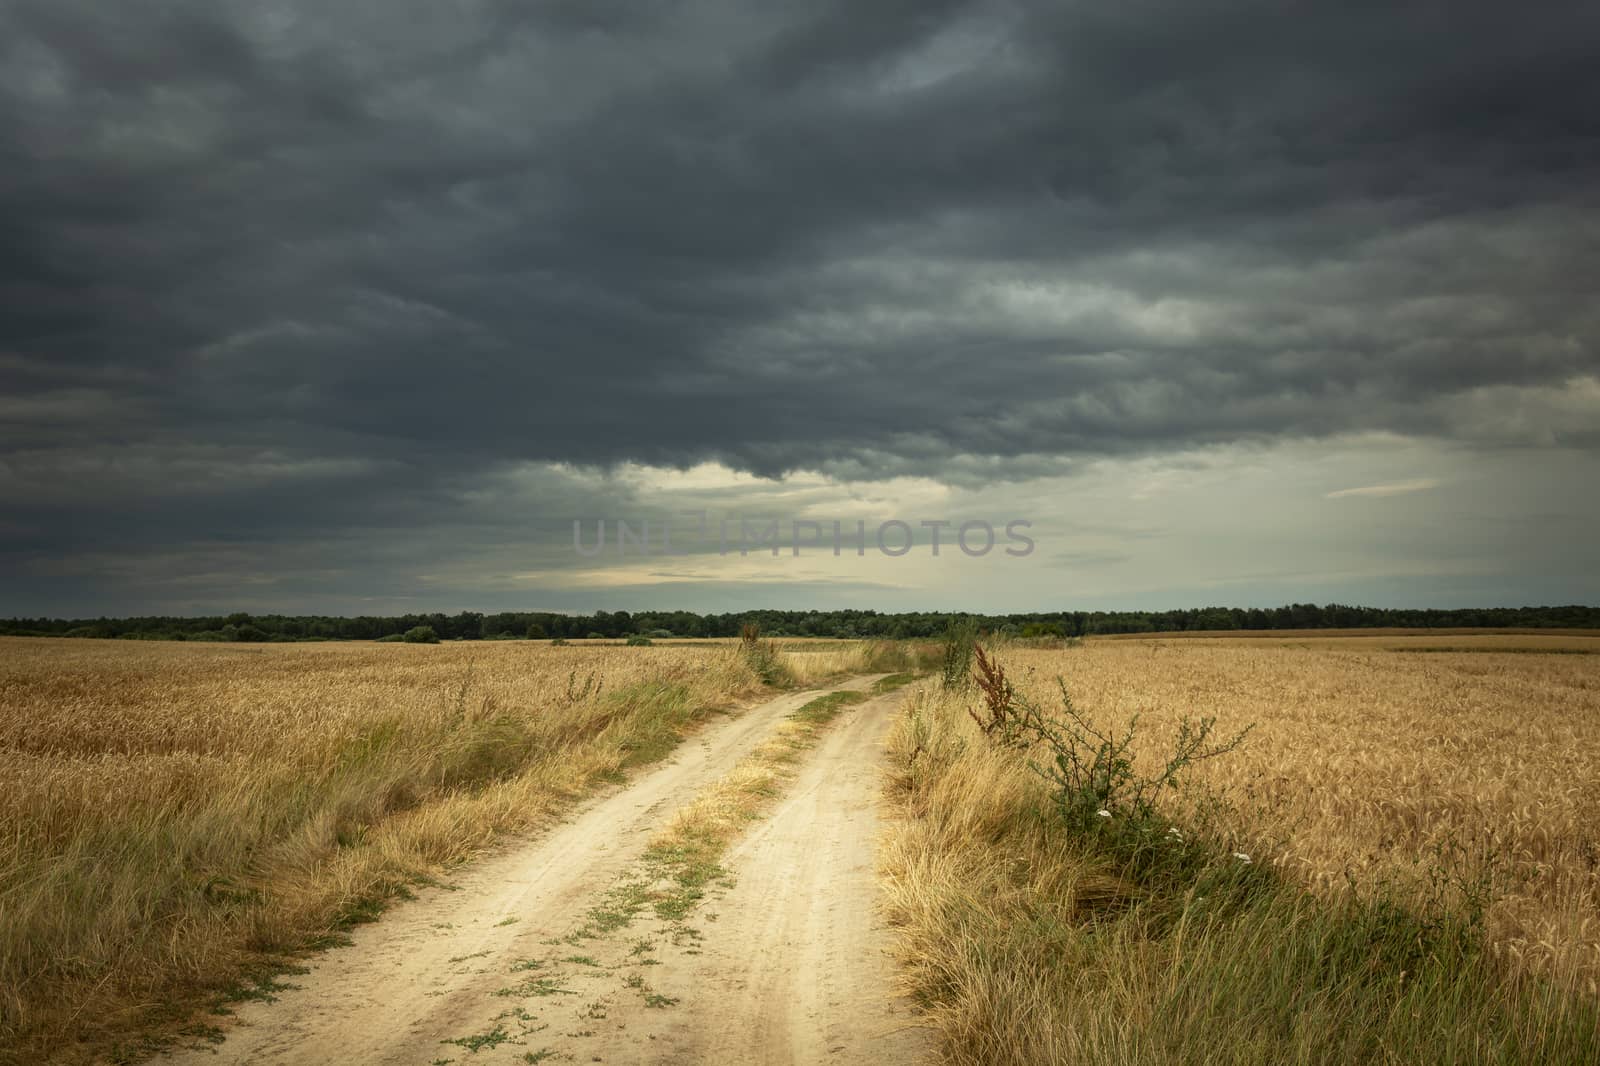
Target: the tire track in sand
pixel 794 968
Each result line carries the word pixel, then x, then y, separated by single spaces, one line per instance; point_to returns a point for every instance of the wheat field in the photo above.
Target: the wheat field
pixel 1369 757
pixel 175 816
pixel 1421 773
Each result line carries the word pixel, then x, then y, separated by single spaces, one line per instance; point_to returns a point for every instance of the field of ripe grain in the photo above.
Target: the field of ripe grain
pixel 1365 761
pixel 1421 785
pixel 173 815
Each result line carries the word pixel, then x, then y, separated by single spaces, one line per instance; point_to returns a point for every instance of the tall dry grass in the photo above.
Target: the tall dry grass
pixel 1383 798
pixel 815 665
pixel 173 816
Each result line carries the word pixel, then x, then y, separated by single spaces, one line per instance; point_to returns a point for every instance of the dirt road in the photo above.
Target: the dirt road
pixel 529 958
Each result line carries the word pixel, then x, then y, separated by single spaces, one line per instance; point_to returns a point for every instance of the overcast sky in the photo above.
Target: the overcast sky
pixel 354 306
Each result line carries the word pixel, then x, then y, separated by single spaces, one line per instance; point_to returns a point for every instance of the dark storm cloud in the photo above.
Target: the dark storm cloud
pixel 279 266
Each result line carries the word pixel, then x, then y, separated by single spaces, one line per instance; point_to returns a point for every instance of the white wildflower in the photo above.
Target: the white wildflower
pixel 1242 857
pixel 1103 813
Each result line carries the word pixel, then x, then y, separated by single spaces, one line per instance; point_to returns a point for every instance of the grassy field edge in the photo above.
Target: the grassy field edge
pixel 131 922
pixel 1134 938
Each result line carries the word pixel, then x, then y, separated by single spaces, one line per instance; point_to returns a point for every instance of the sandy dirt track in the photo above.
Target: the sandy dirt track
pixel 784 961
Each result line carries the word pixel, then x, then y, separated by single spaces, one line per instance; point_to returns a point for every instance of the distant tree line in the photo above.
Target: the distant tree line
pixel 508 625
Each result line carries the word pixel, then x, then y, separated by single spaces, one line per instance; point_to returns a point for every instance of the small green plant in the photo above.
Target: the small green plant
pixel 640 642
pixel 1092 772
pixel 421 635
pixel 535 986
pixel 577 691
pixel 891 682
pixel 960 637
pixel 475 1044
pixel 200 1031
pixel 762 655
pixel 265 989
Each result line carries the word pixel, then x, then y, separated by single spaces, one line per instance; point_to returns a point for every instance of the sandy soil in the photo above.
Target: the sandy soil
pixel 783 962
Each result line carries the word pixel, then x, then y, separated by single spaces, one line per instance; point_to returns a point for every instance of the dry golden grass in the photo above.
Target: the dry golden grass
pixel 173 814
pixel 1364 761
pixel 1365 766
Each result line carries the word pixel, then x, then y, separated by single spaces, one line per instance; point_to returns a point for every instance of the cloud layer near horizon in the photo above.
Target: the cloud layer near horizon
pixel 289 274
